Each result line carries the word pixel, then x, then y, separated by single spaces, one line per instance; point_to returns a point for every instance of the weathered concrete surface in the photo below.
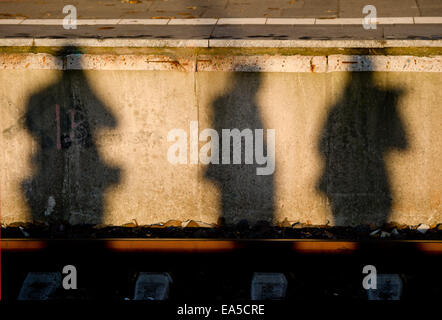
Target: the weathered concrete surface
pixel 192 62
pixel 350 147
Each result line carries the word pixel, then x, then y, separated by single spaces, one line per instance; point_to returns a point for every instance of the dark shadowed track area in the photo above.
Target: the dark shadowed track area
pixel 205 270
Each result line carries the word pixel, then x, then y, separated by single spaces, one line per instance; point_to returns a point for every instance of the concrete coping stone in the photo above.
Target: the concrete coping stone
pixel 274 43
pixel 202 63
pixel 215 43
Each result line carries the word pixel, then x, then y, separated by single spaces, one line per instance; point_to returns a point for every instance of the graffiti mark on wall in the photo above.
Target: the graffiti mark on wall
pixel 77 129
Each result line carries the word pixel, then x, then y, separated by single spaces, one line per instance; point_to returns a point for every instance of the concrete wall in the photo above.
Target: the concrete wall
pixel 91 146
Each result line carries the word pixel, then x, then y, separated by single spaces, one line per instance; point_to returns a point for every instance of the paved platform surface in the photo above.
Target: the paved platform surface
pixel 223 19
pixel 145 9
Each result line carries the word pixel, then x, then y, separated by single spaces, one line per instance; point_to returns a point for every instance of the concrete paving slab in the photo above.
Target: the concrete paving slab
pixel 232 21
pixel 39 285
pixel 254 21
pixel 355 21
pixel 304 32
pixel 216 11
pixel 430 20
pixel 428 3
pixel 176 9
pixel 430 7
pixel 309 13
pixel 268 286
pixel 110 31
pixel 193 21
pixel 393 8
pixel 322 32
pixel 253 32
pixel 86 22
pixel 389 287
pixel 296 21
pixel 395 20
pixel 431 12
pixel 152 286
pixel 144 21
pixel 427 31
pixel 39 22
pixel 107 8
pixel 240 11
pixel 312 9
pixel 11 21
pixel 170 15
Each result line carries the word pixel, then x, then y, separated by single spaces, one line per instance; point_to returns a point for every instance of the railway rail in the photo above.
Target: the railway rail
pixel 311 246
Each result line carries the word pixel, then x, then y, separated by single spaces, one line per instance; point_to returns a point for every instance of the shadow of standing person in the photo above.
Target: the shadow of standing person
pixel 70 177
pixel 244 193
pixel 361 128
